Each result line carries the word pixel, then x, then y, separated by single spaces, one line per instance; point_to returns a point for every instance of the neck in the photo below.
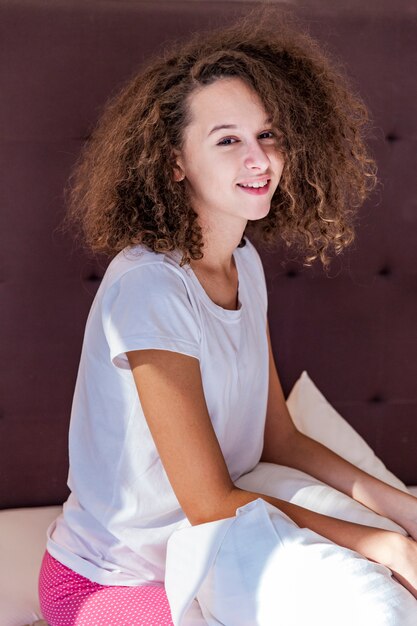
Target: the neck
pixel 218 250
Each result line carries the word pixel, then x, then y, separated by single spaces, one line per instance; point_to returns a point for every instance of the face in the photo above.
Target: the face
pixel 229 150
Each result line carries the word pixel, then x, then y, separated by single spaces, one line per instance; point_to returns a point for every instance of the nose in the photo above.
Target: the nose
pixel 256 158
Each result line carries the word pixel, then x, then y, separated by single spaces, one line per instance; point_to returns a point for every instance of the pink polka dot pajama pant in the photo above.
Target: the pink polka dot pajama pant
pixel 68 599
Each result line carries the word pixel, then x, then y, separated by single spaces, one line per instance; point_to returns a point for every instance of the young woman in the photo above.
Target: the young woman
pixel 248 130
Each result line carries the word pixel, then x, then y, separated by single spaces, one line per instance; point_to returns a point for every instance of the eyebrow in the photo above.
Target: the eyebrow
pixel 226 126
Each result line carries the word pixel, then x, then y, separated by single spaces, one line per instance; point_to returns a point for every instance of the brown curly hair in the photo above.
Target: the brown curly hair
pixel 122 191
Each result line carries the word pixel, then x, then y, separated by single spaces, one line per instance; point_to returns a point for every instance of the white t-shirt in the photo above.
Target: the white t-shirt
pixel 122 509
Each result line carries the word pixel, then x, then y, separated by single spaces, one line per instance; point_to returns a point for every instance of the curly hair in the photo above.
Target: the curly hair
pixel 122 191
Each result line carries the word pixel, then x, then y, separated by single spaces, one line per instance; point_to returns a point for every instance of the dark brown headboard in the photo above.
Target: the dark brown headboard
pixel 355 332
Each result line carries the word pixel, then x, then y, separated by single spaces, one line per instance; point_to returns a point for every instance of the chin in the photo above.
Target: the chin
pixel 258 214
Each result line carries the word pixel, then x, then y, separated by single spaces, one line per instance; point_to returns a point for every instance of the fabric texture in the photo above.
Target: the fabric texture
pixel 68 599
pixel 113 529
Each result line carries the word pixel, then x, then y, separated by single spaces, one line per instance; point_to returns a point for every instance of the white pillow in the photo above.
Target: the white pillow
pixel 260 568
pixel 315 417
pixel 304 561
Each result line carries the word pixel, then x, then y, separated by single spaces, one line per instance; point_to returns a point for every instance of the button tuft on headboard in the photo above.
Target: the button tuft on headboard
pixel 292 273
pixel 392 137
pixel 377 398
pixel 94 278
pixel 385 271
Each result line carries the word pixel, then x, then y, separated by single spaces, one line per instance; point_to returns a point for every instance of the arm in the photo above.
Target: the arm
pixel 285 445
pixel 171 394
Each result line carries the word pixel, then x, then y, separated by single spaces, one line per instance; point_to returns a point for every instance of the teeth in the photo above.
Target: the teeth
pixel 255 185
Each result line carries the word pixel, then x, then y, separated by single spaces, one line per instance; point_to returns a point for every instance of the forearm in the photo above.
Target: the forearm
pixel 372 543
pixel 313 458
pixel 391 549
pixel 363 539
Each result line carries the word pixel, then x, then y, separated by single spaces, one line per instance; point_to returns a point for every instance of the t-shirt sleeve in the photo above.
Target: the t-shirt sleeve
pixel 149 308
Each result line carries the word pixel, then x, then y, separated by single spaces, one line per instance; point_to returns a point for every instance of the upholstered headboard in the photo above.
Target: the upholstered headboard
pixel 355 331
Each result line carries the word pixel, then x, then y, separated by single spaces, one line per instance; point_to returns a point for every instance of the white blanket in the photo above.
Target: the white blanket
pixel 260 569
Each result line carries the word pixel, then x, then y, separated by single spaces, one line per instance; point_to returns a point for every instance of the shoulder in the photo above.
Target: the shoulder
pixel 138 267
pixel 140 283
pixel 145 304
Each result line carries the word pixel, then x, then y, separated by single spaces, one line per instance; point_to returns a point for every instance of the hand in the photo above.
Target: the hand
pixel 408 518
pixel 412 529
pixel 404 562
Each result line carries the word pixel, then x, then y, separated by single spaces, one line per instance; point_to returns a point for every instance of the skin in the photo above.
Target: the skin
pixel 226 157
pixel 169 384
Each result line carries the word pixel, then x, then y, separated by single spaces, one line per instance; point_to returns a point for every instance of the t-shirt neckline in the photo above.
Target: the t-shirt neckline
pixel 225 314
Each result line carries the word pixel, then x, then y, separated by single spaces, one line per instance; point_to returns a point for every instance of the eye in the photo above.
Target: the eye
pixel 226 141
pixel 268 134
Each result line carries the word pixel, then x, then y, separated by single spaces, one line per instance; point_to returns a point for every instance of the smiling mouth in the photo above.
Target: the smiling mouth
pixel 258 190
pixel 256 183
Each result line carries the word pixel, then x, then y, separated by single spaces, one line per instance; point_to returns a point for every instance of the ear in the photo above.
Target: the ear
pixel 178 169
pixel 178 174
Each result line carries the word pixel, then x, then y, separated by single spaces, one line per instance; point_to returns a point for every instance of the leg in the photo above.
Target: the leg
pixel 68 599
